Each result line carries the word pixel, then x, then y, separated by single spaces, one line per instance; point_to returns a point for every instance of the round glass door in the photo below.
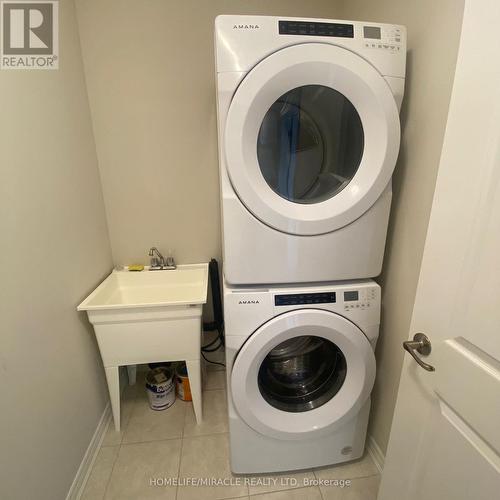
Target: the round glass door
pixel 310 144
pixel 302 373
pixel 311 138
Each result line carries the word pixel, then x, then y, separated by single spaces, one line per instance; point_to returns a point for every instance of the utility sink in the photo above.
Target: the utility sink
pixel 132 289
pixel 146 317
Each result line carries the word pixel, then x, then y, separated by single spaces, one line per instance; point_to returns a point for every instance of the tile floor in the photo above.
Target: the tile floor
pixel 155 446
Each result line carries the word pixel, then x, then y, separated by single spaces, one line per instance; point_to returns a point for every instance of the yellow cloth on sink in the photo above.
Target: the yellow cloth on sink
pixel 136 267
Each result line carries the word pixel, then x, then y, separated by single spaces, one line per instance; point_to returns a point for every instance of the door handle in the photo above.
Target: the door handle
pixel 422 345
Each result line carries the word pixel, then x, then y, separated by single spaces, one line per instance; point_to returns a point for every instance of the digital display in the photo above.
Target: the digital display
pixel 315 29
pixel 305 298
pixel 351 296
pixel 372 32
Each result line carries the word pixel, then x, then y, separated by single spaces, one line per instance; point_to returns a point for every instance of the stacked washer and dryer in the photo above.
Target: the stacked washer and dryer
pixel 309 132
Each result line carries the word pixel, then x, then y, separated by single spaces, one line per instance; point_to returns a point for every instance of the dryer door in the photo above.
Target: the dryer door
pixel 311 138
pixel 302 374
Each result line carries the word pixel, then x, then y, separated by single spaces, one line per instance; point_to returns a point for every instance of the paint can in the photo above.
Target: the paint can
pixel 160 388
pixel 182 383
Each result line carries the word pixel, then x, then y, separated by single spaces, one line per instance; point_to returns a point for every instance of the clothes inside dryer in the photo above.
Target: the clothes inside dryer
pixel 302 373
pixel 310 144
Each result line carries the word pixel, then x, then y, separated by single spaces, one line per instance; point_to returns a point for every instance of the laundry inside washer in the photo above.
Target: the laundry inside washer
pixel 302 373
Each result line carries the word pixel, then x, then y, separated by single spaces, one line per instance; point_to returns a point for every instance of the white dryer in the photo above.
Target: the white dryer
pixel 300 369
pixel 309 133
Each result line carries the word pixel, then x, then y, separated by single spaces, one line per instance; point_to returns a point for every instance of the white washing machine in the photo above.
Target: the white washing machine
pixel 308 124
pixel 300 369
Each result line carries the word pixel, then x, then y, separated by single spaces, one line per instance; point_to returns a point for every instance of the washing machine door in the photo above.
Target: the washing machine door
pixel 311 138
pixel 302 374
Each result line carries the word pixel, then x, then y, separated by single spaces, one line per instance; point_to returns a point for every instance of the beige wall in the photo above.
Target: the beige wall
pixel 433 35
pixel 150 75
pixel 54 250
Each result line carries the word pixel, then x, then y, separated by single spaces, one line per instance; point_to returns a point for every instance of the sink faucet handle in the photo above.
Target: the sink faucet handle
pixel 157 258
pixel 170 262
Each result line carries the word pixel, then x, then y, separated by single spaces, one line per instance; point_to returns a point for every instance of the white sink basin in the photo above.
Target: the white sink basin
pixel 146 317
pixel 130 289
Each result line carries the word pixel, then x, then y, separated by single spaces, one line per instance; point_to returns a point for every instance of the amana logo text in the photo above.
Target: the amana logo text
pixel 248 302
pixel 246 27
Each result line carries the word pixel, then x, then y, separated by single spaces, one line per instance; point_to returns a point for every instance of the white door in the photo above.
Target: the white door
pixel 311 138
pixel 445 438
pixel 302 374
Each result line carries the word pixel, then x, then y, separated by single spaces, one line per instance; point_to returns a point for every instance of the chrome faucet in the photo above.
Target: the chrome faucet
pixel 158 262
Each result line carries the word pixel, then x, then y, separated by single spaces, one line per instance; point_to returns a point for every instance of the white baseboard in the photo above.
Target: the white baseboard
pixel 83 473
pixel 375 452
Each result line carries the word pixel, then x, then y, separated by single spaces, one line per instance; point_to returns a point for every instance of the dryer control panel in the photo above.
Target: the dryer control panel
pixel 243 42
pixel 312 28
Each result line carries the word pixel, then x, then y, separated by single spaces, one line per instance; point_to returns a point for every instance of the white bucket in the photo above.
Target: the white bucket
pixel 160 388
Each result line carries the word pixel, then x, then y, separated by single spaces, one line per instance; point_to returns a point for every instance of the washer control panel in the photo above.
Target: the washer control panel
pixel 347 298
pixel 293 299
pixel 382 37
pixel 359 299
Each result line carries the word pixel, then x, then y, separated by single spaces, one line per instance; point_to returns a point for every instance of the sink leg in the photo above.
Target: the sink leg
pixel 194 374
pixel 113 378
pixel 132 374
